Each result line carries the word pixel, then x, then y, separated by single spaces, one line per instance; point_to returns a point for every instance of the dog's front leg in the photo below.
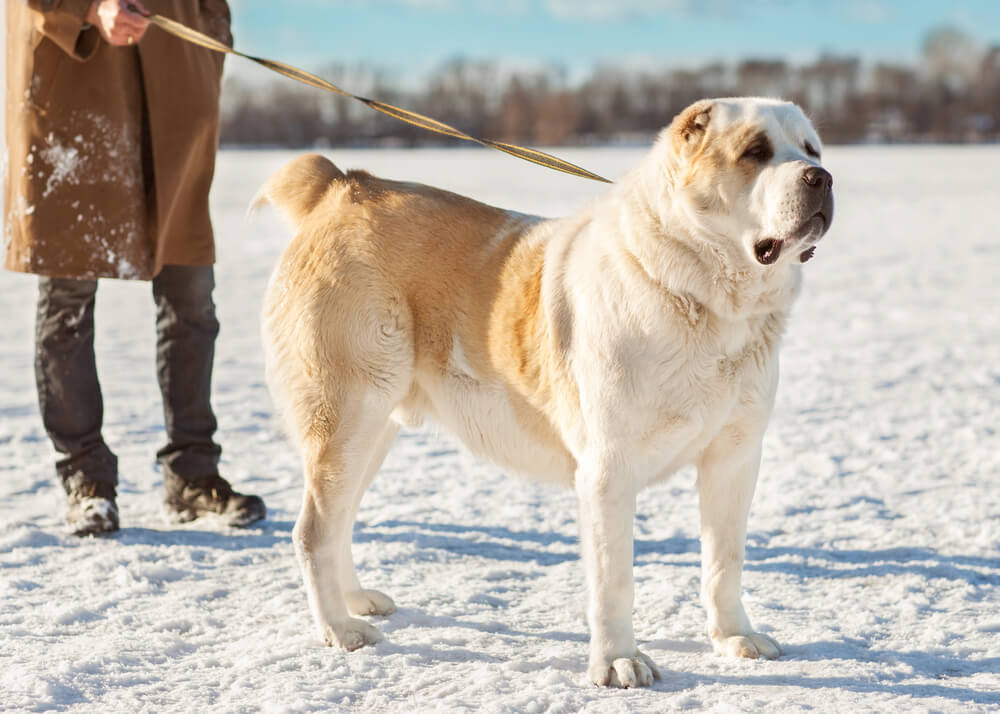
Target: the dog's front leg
pixel 727 475
pixel 607 509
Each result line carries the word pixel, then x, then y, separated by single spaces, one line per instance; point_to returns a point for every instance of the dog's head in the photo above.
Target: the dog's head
pixel 749 170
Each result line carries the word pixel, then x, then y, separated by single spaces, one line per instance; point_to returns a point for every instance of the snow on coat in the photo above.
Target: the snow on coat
pixel 88 192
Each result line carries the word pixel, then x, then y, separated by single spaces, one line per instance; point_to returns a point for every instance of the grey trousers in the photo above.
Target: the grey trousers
pixel 69 394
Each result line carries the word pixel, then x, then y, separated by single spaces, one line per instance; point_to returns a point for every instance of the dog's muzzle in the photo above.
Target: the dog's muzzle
pixel 819 194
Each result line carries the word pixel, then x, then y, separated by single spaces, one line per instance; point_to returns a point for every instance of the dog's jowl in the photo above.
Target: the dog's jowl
pixel 603 351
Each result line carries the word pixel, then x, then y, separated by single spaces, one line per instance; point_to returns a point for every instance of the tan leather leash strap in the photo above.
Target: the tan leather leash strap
pixel 536 157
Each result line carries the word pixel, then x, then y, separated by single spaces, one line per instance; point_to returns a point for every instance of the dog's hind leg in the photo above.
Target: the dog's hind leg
pixel 359 600
pixel 338 450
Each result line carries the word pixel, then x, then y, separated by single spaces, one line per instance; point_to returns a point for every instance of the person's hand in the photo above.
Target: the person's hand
pixel 118 24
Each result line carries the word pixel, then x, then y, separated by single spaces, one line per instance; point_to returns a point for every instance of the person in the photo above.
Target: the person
pixel 111 137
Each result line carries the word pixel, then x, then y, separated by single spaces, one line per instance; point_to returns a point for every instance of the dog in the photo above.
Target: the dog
pixel 602 351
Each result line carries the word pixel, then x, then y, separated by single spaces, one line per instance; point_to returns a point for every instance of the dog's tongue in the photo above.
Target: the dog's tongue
pixel 768 251
pixel 807 254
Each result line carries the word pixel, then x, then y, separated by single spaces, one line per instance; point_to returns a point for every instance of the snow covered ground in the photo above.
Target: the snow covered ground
pixel 874 547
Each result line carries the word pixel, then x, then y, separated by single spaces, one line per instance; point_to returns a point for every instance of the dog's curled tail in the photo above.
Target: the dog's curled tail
pixel 298 186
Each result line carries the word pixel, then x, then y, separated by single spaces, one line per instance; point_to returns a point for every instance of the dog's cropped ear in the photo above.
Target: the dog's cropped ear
pixel 688 129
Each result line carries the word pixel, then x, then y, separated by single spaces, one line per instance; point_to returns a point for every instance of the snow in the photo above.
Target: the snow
pixel 65 163
pixel 874 545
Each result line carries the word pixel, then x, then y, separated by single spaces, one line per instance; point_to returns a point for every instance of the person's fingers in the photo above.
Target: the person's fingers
pixel 125 28
pixel 130 39
pixel 130 26
pixel 113 16
pixel 120 36
pixel 140 7
pixel 121 25
pixel 134 12
pixel 126 35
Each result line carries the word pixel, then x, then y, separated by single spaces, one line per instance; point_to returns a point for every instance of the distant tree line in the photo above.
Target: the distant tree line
pixel 952 94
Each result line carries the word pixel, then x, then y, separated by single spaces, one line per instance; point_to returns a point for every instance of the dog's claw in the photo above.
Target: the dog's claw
pixel 624 672
pixel 352 634
pixel 752 646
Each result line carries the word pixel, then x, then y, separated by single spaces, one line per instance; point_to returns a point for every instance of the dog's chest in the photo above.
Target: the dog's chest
pixel 682 402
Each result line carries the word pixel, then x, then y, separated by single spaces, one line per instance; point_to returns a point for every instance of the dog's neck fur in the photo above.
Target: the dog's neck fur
pixel 718 274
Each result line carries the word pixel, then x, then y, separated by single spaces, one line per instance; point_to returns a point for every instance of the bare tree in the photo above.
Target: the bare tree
pixel 953 94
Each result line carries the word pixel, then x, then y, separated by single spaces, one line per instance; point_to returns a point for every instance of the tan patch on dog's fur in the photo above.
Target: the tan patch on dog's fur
pixel 523 348
pixel 366 229
pixel 689 127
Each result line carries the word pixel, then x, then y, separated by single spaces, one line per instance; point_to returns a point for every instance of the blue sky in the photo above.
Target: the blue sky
pixel 412 36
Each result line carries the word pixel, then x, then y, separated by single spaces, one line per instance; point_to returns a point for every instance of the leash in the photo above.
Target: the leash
pixel 184 32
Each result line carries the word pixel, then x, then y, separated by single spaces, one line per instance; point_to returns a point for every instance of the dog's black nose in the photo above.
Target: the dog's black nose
pixel 817 177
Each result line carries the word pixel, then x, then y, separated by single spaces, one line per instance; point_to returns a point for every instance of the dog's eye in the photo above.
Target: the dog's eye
pixel 759 151
pixel 811 150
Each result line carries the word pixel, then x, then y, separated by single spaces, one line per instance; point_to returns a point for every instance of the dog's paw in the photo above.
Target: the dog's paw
pixel 369 602
pixel 752 646
pixel 639 671
pixel 351 634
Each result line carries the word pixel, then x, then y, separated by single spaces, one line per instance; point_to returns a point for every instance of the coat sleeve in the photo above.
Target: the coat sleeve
pixel 217 20
pixel 63 21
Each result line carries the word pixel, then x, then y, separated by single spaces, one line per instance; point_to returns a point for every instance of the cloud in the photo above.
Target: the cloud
pixel 604 10
pixel 861 11
pixel 864 11
pixel 586 10
pixel 869 12
pixel 508 7
pixel 430 4
pixel 503 8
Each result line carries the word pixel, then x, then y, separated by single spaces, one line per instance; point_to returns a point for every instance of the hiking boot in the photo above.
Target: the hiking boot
pixel 91 509
pixel 183 501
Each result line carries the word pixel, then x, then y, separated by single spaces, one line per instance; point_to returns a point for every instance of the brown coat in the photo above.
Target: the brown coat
pixel 111 150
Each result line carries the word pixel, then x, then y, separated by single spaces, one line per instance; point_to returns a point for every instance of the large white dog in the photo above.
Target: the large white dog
pixel 602 351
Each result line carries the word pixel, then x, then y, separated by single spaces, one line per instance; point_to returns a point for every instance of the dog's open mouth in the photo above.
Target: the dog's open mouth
pixel 768 250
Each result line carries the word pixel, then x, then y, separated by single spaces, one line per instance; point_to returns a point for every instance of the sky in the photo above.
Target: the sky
pixel 413 36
